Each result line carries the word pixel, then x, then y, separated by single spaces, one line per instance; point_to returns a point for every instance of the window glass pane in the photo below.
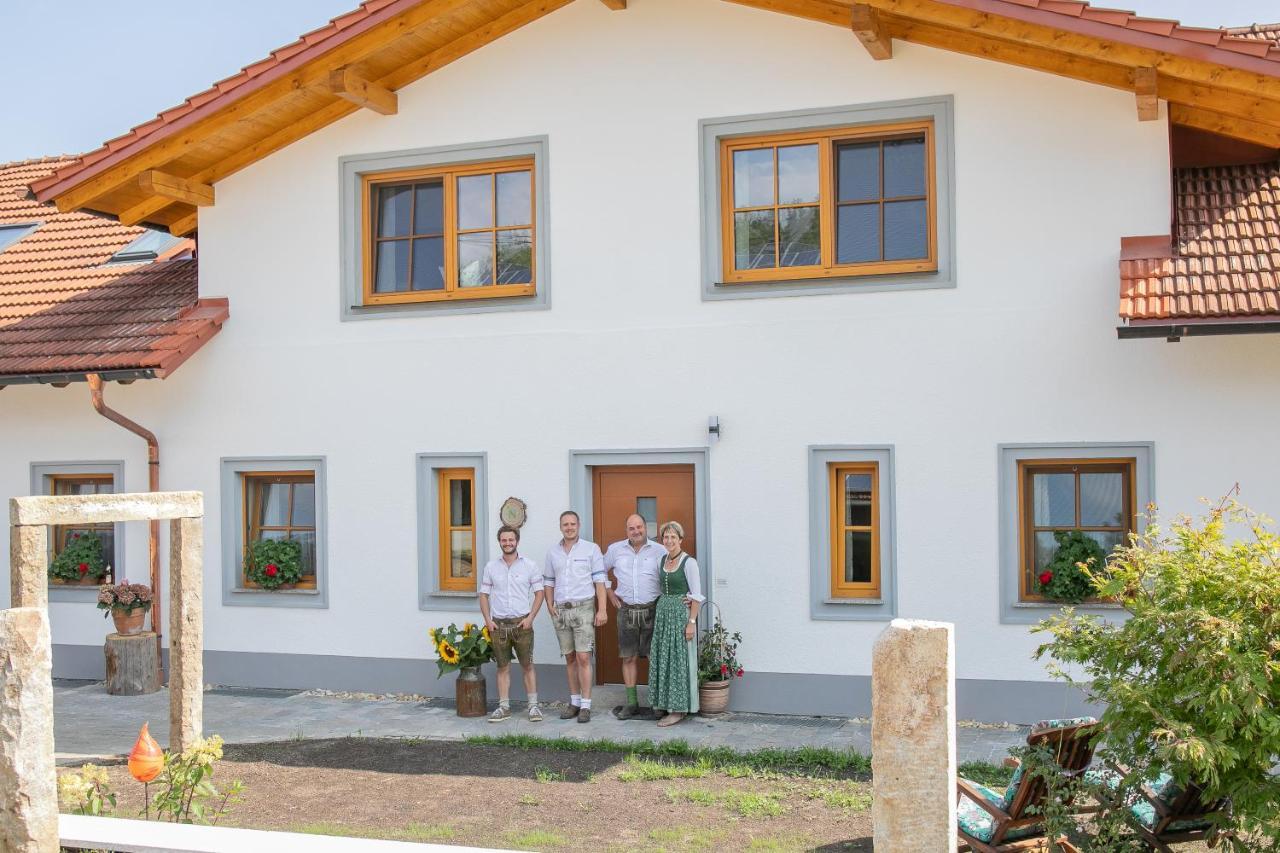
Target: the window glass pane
pixel 392 263
pixel 273 506
pixel 459 503
pixel 858 171
pixel 304 505
pixel 801 243
pixel 475 259
pixel 1108 541
pixel 428 211
pixel 475 201
pixel 647 508
pixel 1044 548
pixel 906 231
pixel 515 256
pixel 753 240
pixel 307 540
pixel 1054 499
pixel 753 178
pixel 514 203
pixel 857 500
pixel 393 211
pixel 108 537
pixel 797 174
pixel 1102 500
pixel 857 233
pixel 857 557
pixel 428 263
pixel 904 167
pixel 461 554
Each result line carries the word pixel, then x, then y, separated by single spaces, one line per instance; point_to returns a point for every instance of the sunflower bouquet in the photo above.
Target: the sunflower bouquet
pixel 457 647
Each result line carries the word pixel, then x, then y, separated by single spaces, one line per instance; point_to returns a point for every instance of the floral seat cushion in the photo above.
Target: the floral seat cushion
pixel 1162 786
pixel 1040 728
pixel 976 822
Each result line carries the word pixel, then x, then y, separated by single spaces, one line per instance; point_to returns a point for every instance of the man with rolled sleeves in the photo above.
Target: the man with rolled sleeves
pixel 635 563
pixel 510 597
pixel 574 579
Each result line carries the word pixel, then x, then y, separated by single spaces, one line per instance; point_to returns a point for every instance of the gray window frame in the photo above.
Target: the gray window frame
pixel 352 170
pixel 235 595
pixel 822 605
pixel 712 131
pixel 40 473
pixel 430 595
pixel 1014 611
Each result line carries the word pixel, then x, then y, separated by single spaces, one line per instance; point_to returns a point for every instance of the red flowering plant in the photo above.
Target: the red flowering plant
pixel 272 563
pixel 80 559
pixel 1067 576
pixel 718 654
pixel 124 597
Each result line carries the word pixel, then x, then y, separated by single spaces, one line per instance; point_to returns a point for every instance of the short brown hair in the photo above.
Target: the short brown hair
pixel 506 528
pixel 570 512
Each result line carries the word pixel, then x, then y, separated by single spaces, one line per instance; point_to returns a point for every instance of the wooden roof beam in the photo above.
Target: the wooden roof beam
pixel 143 210
pixel 185 225
pixel 1224 125
pixel 173 188
pixel 346 83
pixel 1146 87
pixel 615 5
pixel 871 31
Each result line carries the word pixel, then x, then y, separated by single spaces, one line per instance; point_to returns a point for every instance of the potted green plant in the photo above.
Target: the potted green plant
pixel 274 563
pixel 127 603
pixel 717 667
pixel 1066 577
pixel 464 650
pixel 81 561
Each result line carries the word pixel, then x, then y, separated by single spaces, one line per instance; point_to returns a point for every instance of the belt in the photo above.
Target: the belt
pixel 569 605
pixel 509 620
pixel 649 606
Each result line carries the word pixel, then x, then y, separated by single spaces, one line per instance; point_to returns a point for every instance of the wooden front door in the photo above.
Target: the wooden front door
pixel 659 493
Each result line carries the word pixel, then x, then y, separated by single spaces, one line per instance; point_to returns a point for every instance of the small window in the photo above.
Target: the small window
pixel 281 505
pixel 149 246
pixel 62 535
pixel 450 233
pixel 457 529
pixel 1093 496
pixel 855 530
pixel 10 234
pixel 830 203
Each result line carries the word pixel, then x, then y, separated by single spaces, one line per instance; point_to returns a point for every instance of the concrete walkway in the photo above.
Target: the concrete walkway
pixel 89 723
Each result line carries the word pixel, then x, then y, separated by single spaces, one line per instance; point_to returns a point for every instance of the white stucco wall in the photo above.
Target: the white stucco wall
pixel 1050 174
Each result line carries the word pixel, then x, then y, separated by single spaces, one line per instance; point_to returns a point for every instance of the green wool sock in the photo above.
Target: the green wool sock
pixel 633 697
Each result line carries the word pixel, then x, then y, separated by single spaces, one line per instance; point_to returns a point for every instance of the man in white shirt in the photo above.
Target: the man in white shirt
pixel 635 563
pixel 574 578
pixel 510 597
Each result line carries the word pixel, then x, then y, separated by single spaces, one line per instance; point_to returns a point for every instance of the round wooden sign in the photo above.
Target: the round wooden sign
pixel 513 513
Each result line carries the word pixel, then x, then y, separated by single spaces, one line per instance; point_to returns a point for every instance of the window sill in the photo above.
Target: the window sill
pixel 276 591
pixel 447 600
pixel 866 601
pixel 1054 605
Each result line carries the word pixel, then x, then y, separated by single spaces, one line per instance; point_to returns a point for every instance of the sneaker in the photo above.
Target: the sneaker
pixel 499 714
pixel 584 715
pixel 535 714
pixel 569 713
pixel 626 712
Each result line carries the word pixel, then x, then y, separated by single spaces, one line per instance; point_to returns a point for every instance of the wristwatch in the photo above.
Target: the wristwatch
pixel 693 621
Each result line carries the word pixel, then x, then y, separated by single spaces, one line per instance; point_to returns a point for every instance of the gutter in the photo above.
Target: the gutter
pixel 153 485
pixel 1174 332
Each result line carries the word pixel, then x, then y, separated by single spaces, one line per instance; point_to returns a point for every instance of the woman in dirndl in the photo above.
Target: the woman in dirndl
pixel 673 658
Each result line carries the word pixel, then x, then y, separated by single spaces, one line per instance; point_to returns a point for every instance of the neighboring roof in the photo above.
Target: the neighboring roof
pixel 64 314
pixel 1222 266
pixel 1261 32
pixel 1219 81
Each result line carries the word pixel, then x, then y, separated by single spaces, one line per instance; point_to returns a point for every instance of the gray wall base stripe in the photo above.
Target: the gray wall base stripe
pixel 985 700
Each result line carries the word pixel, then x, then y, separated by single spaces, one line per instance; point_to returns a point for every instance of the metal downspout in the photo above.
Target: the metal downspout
pixel 153 485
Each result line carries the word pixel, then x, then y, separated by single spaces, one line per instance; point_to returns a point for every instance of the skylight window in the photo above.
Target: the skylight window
pixel 146 248
pixel 10 234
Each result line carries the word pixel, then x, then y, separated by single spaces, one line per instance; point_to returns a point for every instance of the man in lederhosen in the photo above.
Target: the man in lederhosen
pixel 634 562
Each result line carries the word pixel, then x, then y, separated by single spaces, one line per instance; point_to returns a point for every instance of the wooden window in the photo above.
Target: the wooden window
pixel 457 563
pixel 85 484
pixel 281 505
pixel 448 233
pixel 855 530
pixel 1094 496
pixel 830 203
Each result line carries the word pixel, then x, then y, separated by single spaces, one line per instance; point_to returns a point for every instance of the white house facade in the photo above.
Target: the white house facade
pixel 885 430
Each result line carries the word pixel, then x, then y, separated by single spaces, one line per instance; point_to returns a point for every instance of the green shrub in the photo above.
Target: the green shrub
pixel 272 562
pixel 81 558
pixel 1066 578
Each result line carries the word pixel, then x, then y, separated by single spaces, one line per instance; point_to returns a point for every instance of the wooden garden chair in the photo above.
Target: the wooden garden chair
pixel 1170 814
pixel 1001 823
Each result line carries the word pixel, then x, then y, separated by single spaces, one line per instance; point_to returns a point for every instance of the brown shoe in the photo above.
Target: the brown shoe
pixel 569 713
pixel 584 715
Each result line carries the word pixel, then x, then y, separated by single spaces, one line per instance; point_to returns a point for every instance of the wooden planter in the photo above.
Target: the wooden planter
pixel 128 622
pixel 470 687
pixel 132 664
pixel 713 697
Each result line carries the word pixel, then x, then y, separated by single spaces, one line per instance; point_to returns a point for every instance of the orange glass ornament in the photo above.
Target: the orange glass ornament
pixel 147 759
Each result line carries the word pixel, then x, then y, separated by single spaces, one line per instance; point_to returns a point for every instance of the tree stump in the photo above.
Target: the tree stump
pixel 131 664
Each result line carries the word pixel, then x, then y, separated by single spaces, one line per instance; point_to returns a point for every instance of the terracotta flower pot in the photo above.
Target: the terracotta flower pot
pixel 128 622
pixel 713 697
pixel 470 692
pixel 89 580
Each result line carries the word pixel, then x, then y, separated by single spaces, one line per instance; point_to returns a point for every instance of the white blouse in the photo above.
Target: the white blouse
pixel 692 576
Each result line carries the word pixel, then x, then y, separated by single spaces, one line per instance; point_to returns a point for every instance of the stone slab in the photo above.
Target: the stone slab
pixel 98 509
pixel 186 632
pixel 28 784
pixel 29 566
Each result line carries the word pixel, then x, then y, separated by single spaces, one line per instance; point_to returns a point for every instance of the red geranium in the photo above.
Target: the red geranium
pixel 84 568
pixel 1045 577
pixel 739 672
pixel 724 669
pixel 272 570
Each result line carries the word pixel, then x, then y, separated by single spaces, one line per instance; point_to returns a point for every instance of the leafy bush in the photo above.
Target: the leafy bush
pixel 1066 577
pixel 87 792
pixel 81 558
pixel 718 654
pixel 1191 680
pixel 187 788
pixel 460 647
pixel 272 562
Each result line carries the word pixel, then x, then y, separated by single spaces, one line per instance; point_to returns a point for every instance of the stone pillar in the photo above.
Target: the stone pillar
pixel 186 632
pixel 28 782
pixel 913 737
pixel 28 565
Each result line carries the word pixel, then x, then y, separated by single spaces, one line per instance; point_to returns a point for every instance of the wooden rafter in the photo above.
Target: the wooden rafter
pixel 615 5
pixel 144 209
pixel 1146 87
pixel 347 84
pixel 157 183
pixel 184 226
pixel 1224 125
pixel 869 29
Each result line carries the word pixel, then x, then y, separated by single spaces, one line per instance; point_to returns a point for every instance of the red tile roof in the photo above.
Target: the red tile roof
pixel 63 313
pixel 1223 263
pixel 1261 32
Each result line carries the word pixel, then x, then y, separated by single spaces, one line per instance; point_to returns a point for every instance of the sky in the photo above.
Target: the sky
pixel 104 67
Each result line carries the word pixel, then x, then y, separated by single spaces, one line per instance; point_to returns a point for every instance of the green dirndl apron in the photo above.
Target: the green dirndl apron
pixel 673 660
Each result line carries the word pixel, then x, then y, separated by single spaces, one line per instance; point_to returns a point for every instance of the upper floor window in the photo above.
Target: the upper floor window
pixel 829 204
pixel 449 233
